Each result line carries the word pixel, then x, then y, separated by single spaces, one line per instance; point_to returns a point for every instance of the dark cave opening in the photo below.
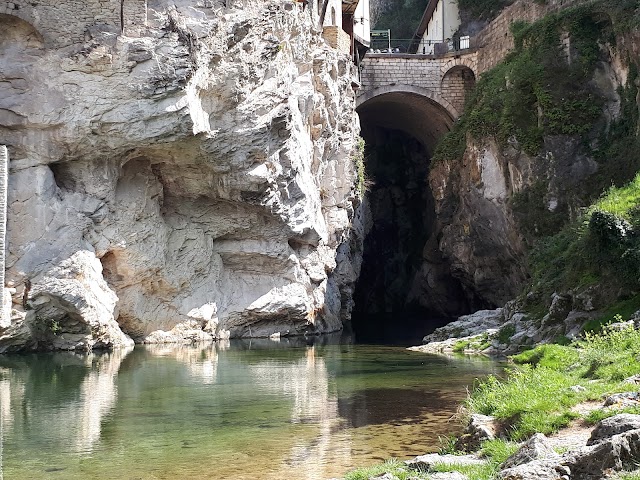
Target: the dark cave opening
pixel 405 289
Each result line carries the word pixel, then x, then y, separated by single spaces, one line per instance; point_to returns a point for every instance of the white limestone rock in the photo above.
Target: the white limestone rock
pixel 71 307
pixel 207 161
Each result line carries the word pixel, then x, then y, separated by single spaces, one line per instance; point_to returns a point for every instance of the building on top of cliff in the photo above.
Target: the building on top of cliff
pixel 436 32
pixel 345 26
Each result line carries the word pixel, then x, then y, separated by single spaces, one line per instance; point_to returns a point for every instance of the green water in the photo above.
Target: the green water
pixel 253 410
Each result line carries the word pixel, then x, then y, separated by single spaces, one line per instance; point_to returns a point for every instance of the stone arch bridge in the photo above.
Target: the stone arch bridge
pixel 420 94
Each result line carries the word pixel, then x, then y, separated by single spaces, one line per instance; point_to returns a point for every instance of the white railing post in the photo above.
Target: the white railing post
pixel 4 183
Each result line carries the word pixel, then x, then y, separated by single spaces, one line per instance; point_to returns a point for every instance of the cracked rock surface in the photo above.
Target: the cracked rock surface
pixel 189 183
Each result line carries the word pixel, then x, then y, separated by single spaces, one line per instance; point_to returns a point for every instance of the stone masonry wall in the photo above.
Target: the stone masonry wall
pixel 64 23
pixel 337 38
pixel 496 39
pixel 456 84
pixel 444 76
pixel 425 71
pixel 134 14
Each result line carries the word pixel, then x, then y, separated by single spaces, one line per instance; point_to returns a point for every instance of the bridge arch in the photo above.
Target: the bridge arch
pixel 417 111
pixel 469 61
pixel 402 267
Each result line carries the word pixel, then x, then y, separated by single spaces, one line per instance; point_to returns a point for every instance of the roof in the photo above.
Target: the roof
pixel 424 23
pixel 349 6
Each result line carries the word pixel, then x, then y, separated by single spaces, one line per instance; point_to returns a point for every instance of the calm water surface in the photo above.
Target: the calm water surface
pixel 252 410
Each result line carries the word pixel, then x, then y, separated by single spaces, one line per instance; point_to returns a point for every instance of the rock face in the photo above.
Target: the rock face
pixel 192 179
pixel 479 233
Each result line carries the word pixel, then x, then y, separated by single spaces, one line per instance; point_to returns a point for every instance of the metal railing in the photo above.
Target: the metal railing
pixel 415 46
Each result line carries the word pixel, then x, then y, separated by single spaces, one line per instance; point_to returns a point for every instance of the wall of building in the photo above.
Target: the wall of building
pixel 63 23
pixel 443 24
pixel 334 6
pixel 362 25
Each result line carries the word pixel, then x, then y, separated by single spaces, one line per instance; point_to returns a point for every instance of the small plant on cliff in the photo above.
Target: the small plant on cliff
pixel 54 327
pixel 362 184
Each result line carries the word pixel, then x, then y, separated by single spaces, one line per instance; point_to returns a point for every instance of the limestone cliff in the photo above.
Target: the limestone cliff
pixel 186 180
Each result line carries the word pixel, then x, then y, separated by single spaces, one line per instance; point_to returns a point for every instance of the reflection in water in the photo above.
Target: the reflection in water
pixel 98 394
pixel 246 410
pixel 307 382
pixel 70 414
pixel 201 361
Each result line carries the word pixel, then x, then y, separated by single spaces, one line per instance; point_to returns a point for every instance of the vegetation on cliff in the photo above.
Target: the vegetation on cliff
pixel 536 91
pixel 546 91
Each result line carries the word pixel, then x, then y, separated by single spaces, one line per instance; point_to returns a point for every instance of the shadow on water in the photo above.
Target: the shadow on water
pixel 375 406
pixel 385 329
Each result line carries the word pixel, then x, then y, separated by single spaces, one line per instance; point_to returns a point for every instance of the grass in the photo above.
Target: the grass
pixel 392 466
pixel 601 248
pixel 630 476
pixel 477 344
pixel 598 415
pixel 536 395
pixel 494 451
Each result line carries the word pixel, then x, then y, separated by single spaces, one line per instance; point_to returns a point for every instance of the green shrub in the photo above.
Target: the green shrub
pixel 505 333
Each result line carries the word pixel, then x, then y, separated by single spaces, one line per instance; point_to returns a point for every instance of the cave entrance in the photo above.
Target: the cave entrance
pixel 406 288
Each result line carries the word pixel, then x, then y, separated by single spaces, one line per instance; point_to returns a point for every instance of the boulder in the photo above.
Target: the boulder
pixel 615 425
pixel 71 307
pixel 468 325
pixel 624 399
pixel 448 476
pixel 479 429
pixel 536 448
pixel 619 452
pixel 535 470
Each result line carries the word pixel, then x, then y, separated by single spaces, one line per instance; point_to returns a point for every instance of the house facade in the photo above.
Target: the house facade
pixel 346 25
pixel 441 19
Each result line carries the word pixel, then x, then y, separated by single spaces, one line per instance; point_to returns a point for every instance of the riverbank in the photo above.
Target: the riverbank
pixel 563 412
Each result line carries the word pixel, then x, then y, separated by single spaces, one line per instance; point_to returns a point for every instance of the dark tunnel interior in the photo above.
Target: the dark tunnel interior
pixel 405 289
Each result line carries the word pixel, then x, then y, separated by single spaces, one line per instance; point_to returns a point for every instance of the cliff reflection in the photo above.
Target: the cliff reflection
pixel 63 401
pixel 306 382
pixel 242 410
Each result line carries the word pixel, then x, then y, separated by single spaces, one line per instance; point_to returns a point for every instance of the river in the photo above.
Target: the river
pixel 244 410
